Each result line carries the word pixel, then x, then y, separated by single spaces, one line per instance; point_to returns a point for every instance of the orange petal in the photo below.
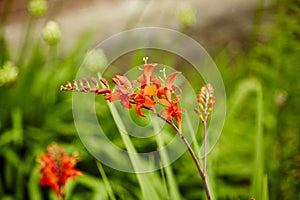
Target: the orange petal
pixel 149 102
pixel 148 69
pixel 164 102
pixel 170 79
pixel 141 79
pixel 155 81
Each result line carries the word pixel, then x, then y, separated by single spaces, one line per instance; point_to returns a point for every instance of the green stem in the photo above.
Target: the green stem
pixel 106 181
pixel 24 47
pixel 186 143
pixel 204 150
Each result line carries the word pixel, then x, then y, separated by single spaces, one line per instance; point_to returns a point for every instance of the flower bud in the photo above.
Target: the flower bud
pixel 95 61
pixel 186 15
pixel 206 101
pixel 37 8
pixel 8 73
pixel 280 97
pixel 51 33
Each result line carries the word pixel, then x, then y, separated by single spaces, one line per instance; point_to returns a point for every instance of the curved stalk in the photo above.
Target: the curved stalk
pixel 204 151
pixel 186 143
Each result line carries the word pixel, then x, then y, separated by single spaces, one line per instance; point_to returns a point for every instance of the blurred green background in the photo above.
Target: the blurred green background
pixel 256 47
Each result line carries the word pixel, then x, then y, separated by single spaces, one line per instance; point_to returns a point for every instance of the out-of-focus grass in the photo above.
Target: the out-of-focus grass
pixel 256 156
pixel 274 64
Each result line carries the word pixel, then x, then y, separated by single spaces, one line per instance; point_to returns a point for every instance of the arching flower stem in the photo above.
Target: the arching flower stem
pixel 186 143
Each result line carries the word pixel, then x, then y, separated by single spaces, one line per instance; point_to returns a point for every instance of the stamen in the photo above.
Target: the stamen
pixel 163 71
pixel 145 59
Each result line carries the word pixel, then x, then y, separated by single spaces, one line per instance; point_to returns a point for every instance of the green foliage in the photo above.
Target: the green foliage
pixel 257 154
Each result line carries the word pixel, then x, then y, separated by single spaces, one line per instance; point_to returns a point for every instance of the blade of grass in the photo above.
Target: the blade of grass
pixel 147 186
pixel 105 181
pixel 164 181
pixel 172 183
pixel 33 186
pixel 259 154
pixel 17 130
pixel 243 90
pixel 94 184
pixel 265 188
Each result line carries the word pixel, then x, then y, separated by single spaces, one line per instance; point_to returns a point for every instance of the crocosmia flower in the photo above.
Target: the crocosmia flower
pixel 150 92
pixel 57 167
pixel 145 92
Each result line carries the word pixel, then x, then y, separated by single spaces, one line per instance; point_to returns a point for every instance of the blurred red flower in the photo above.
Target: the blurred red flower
pixel 57 167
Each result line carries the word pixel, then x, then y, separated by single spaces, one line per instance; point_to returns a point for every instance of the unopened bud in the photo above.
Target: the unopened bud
pixel 9 73
pixel 186 15
pixel 206 101
pixel 37 8
pixel 51 33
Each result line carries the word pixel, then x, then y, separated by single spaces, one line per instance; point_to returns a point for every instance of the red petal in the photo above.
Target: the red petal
pixel 125 103
pixel 101 91
pixel 138 110
pixel 124 80
pixel 168 114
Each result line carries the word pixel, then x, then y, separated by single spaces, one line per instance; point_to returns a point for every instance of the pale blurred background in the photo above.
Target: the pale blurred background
pixel 212 23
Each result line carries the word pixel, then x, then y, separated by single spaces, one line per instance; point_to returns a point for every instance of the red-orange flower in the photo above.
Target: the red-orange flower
pixel 147 95
pixel 170 100
pixel 172 110
pixel 149 88
pixel 123 91
pixel 57 167
pixel 147 77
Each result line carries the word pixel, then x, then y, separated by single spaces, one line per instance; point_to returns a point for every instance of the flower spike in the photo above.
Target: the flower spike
pixel 150 92
pixel 206 101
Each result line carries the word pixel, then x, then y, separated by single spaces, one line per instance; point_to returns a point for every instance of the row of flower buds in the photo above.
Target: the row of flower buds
pixel 84 86
pixel 206 101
